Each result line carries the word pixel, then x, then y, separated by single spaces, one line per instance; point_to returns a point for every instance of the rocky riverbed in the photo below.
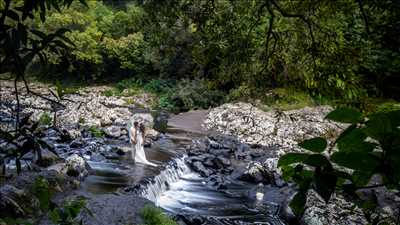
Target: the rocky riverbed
pixel 206 159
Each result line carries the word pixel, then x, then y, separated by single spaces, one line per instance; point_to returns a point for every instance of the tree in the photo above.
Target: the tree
pixel 19 46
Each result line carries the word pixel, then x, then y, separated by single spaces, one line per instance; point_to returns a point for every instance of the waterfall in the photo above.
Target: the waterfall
pixel 160 183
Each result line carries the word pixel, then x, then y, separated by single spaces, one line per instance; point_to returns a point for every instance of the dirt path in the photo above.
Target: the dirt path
pixel 189 121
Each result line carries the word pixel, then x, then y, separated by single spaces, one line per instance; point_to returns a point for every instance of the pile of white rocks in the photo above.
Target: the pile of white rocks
pixel 284 129
pixel 87 107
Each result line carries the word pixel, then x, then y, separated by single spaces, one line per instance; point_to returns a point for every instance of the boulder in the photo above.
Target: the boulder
pixel 15 202
pixel 253 172
pixel 47 158
pixel 160 121
pixel 113 132
pixel 199 167
pixel 77 143
pixel 76 166
pixel 113 209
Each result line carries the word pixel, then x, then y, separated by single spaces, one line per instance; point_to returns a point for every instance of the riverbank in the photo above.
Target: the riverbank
pixel 205 158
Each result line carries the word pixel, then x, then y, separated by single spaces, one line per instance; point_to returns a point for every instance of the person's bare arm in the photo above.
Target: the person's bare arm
pixel 133 135
pixel 143 138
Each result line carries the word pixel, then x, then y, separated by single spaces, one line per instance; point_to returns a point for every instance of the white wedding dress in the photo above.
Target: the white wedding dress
pixel 138 151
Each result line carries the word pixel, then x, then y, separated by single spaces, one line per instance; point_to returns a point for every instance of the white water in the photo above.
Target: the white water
pixel 160 183
pixel 179 190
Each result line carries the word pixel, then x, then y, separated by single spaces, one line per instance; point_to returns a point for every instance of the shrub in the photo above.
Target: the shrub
pixel 243 92
pixel 158 86
pixel 96 132
pixel 287 99
pixel 45 119
pixel 155 216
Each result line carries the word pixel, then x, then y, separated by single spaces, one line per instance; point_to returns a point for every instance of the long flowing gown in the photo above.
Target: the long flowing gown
pixel 138 151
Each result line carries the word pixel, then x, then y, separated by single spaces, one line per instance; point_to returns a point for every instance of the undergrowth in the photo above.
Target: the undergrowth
pixel 155 216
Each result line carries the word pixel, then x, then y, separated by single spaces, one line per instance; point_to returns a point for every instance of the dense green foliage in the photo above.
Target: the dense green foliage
pixel 367 147
pixel 155 216
pixel 345 50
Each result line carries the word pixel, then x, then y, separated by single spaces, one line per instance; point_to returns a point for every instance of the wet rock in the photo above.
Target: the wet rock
pixel 15 202
pixel 114 209
pixel 160 121
pixel 47 158
pixel 119 151
pixel 76 166
pixel 225 162
pixel 242 151
pixel 253 172
pixel 111 155
pixel 113 132
pixel 64 136
pixel 217 182
pixel 77 143
pixel 199 167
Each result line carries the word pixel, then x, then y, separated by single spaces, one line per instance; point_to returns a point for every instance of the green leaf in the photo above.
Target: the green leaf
pixel 39 33
pixel 353 140
pixel 355 160
pixel 325 184
pixel 298 202
pixel 316 160
pixel 378 127
pixel 317 144
pixel 291 158
pixel 13 15
pixel 345 115
pixel 361 178
pixel 349 188
pixel 41 190
pixel 83 2
pixel 370 204
pixel 394 117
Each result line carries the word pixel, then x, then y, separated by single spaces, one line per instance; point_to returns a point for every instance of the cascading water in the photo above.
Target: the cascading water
pixel 183 192
pixel 173 171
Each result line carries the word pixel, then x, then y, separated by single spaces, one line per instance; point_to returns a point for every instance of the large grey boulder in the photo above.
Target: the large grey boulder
pixel 253 172
pixel 76 166
pixel 113 209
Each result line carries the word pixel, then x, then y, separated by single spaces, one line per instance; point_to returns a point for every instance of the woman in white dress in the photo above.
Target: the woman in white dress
pixel 137 135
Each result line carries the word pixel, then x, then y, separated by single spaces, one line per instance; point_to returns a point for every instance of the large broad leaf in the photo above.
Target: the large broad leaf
pixel 356 160
pixel 353 140
pixel 394 164
pixel 325 184
pixel 345 115
pixel 298 202
pixel 361 178
pixel 291 158
pixel 316 160
pixel 378 127
pixel 394 117
pixel 317 144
